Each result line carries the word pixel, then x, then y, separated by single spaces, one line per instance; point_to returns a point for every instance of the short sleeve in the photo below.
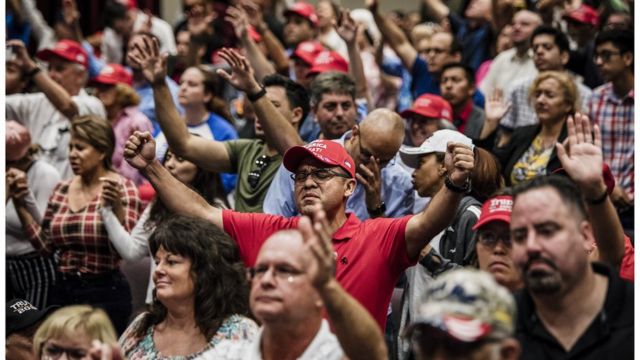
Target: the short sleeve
pixel 250 230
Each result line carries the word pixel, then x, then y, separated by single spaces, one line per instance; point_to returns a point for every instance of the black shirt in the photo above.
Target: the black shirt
pixel 610 335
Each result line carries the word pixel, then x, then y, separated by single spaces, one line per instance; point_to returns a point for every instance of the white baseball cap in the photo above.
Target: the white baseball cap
pixel 435 143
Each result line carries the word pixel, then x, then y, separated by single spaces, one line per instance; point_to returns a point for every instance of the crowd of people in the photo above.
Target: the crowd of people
pixel 315 182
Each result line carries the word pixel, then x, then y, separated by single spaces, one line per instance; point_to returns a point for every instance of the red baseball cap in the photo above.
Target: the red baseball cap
pixel 303 9
pixel 68 50
pixel 584 14
pixel 609 180
pixel 326 151
pixel 431 106
pixel 495 209
pixel 308 51
pixel 113 74
pixel 326 61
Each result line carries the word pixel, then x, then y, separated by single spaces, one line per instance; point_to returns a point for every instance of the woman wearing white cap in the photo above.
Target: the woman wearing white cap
pixel 30 182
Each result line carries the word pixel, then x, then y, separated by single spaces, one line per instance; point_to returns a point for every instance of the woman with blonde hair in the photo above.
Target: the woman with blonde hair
pixel 71 331
pixel 88 269
pixel 530 151
pixel 113 88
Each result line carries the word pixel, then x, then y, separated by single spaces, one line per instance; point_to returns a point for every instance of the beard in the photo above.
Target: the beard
pixel 542 281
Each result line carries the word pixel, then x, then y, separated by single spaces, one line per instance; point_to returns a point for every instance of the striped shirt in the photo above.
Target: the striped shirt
pixel 615 118
pixel 80 236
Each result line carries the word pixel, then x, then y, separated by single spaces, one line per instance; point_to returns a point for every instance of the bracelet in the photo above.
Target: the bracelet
pixel 33 72
pixel 599 200
pixel 455 188
pixel 379 211
pixel 255 97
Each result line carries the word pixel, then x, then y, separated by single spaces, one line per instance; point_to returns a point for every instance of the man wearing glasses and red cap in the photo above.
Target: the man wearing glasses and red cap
pixel 46 114
pixel 370 255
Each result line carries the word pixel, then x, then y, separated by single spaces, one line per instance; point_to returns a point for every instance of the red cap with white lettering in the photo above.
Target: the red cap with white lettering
pixel 495 209
pixel 326 151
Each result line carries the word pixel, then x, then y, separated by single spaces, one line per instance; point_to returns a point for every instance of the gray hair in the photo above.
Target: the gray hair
pixel 331 83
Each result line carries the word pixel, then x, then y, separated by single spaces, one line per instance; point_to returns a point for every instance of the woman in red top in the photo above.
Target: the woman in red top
pixel 88 266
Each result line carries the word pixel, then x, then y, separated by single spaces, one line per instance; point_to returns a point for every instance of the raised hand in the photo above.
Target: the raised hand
pixel 21 56
pixel 146 56
pixel 199 21
pixel 241 76
pixel 254 15
pixel 346 27
pixel 70 13
pixel 140 150
pixel 459 163
pixel 18 187
pixel 495 108
pixel 239 19
pixel 317 239
pixel 581 155
pixel 369 176
pixel 372 5
pixel 111 193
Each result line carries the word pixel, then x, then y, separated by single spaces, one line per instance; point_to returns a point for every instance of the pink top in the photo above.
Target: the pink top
pixel 130 120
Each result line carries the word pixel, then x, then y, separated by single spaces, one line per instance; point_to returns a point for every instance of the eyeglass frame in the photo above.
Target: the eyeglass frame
pixel 605 55
pixel 313 174
pixel 506 241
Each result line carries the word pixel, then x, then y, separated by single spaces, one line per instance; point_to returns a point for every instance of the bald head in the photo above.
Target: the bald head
pixel 379 135
pixel 524 23
pixel 281 291
pixel 383 125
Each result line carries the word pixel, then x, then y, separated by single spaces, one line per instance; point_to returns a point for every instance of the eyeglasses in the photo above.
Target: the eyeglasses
pixel 54 352
pixel 317 175
pixel 261 165
pixel 490 238
pixel 280 273
pixel 605 55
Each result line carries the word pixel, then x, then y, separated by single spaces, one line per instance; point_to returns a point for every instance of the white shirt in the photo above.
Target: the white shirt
pixel 42 178
pixel 48 127
pixel 507 69
pixel 325 346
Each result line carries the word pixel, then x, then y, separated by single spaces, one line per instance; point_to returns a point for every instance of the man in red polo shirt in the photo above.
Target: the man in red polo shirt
pixel 370 255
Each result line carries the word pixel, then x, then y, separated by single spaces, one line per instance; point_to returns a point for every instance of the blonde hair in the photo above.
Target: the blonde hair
pixel 69 320
pixel 97 132
pixel 126 95
pixel 567 87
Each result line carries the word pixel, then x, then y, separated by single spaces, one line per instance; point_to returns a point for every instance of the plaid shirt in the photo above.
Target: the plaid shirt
pixel 522 113
pixel 615 118
pixel 81 237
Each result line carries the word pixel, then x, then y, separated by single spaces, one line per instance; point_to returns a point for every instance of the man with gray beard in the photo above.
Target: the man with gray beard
pixel 571 308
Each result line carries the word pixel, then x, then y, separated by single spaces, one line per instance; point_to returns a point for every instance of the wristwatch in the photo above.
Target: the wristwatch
pixel 466 189
pixel 379 211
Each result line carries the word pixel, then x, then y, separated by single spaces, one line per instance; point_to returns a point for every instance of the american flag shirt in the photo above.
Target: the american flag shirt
pixel 614 115
pixel 80 237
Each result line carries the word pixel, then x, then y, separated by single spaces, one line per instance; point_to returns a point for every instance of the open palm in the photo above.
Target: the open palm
pixel 146 55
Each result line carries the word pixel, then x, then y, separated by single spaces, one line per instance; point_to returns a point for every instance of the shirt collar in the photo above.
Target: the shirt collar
pixel 611 95
pixel 466 111
pixel 348 230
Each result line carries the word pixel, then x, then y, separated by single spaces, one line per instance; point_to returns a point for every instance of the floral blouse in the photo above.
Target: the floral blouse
pixel 236 328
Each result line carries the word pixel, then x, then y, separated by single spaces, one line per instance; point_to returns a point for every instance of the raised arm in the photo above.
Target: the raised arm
pixel 278 131
pixel 133 246
pixel 140 152
pixel 275 49
pixel 424 226
pixel 436 9
pixel 348 31
pixel 208 154
pixel 238 17
pixel 394 36
pixel 364 341
pixel 581 158
pixel 58 96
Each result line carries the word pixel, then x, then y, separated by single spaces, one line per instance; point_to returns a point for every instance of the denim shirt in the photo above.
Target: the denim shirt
pixel 397 192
